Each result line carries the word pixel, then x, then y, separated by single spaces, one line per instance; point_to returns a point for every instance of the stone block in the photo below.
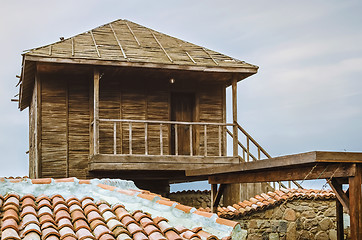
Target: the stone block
pixel 309 214
pixel 332 234
pixel 321 236
pixel 291 231
pixel 278 213
pixel 309 223
pixel 289 214
pixel 305 235
pixel 253 224
pixel 268 213
pixel 301 208
pixel 283 226
pixel 330 212
pixel 326 224
pixel 273 236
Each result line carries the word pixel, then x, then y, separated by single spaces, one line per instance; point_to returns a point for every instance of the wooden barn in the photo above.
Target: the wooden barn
pixel 125 101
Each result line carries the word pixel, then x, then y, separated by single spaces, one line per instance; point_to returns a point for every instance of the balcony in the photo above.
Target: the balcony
pixel 168 146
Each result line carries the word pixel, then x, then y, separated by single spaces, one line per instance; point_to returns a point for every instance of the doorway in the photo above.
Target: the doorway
pixel 182 110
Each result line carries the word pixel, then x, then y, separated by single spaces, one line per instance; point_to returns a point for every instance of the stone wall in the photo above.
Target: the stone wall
pixel 297 219
pixel 195 199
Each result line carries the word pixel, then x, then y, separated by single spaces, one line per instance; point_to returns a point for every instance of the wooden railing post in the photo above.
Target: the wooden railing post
pixel 176 139
pixel 205 140
pixel 220 149
pixel 96 111
pixel 191 145
pixel 114 137
pixel 161 140
pixel 130 138
pixel 248 149
pixel 146 138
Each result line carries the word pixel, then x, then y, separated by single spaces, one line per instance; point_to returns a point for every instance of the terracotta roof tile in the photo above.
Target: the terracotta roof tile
pixel 265 200
pixel 32 227
pixel 156 236
pixel 66 231
pixel 60 217
pixel 10 213
pixel 9 223
pixel 9 233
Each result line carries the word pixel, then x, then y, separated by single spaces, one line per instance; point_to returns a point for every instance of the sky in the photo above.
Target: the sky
pixel 306 96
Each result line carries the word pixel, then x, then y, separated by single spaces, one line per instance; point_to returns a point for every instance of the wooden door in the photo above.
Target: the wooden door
pixel 182 110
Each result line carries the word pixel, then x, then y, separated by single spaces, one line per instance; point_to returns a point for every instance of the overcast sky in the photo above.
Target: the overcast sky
pixel 306 96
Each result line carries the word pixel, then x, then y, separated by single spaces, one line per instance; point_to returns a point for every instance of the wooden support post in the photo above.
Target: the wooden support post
pixel 339 218
pixel 235 117
pixel 233 191
pixel 38 129
pixel 213 195
pixel 96 111
pixel 341 201
pixel 355 203
pixel 216 200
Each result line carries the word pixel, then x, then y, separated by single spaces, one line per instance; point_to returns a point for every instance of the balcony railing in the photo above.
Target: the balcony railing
pixel 162 138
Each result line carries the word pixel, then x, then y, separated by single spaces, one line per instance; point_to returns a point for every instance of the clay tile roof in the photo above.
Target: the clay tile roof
pixel 265 200
pixel 91 215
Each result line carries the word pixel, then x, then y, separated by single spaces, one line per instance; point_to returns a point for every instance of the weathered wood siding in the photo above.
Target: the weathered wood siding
pixel 33 135
pixel 66 114
pixel 54 126
pixel 65 126
pixel 128 99
pixel 78 127
pixel 211 110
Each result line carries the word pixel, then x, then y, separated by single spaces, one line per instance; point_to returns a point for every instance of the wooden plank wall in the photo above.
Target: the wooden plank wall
pixel 211 110
pixel 54 126
pixel 66 115
pixel 131 99
pixel 78 127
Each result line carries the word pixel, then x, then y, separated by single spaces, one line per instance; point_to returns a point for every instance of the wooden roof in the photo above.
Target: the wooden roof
pixel 125 41
pixel 127 44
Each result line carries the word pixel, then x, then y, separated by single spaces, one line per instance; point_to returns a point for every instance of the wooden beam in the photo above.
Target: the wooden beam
pixel 355 203
pixel 96 166
pixel 346 157
pixel 244 69
pixel 340 194
pixel 119 44
pixel 285 174
pixel 96 111
pixel 124 158
pixel 283 161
